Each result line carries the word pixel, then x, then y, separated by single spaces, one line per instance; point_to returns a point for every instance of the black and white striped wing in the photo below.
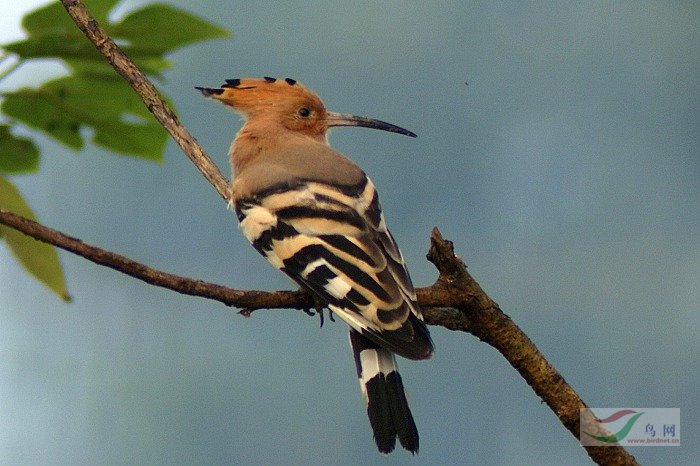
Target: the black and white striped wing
pixel 334 242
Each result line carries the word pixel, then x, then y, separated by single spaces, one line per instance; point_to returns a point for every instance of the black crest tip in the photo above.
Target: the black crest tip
pixel 269 79
pixel 232 83
pixel 290 81
pixel 207 91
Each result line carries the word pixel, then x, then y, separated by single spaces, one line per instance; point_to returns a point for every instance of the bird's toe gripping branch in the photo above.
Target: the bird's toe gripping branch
pixel 318 308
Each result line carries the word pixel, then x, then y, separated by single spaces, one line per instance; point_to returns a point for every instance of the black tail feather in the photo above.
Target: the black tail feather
pixel 387 406
pixel 380 414
pixel 401 413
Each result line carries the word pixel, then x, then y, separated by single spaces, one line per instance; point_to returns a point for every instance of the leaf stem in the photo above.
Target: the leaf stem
pixel 4 56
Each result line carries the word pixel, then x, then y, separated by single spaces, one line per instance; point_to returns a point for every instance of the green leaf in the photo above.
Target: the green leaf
pixel 53 34
pixel 94 96
pixel 39 259
pixel 80 54
pixel 53 17
pixel 161 28
pixel 45 112
pixel 106 104
pixel 145 35
pixel 17 155
pixel 71 45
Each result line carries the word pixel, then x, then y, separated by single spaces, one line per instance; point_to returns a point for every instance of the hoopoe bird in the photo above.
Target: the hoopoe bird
pixel 315 215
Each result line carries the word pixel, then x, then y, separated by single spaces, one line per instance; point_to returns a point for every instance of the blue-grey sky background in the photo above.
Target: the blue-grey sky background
pixel 567 173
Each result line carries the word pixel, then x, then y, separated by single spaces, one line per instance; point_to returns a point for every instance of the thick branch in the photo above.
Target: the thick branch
pixel 248 300
pixel 479 315
pixel 455 301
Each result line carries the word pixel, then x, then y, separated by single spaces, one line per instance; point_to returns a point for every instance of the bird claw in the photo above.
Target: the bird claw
pixel 318 309
pixel 330 315
pixel 313 312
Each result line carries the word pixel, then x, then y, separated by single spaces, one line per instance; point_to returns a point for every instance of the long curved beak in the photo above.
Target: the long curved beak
pixel 343 119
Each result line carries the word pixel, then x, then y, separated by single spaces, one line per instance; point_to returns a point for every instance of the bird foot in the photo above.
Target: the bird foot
pixel 318 309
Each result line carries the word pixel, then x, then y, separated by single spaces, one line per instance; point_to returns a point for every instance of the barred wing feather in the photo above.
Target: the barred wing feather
pixel 334 243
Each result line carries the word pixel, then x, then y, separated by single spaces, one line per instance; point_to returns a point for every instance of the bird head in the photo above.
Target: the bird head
pixel 289 104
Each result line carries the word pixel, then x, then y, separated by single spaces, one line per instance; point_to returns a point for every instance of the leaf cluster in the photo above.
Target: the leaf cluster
pixel 91 100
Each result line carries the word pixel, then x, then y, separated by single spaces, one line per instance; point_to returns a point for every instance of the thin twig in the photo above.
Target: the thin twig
pixel 148 93
pixel 6 72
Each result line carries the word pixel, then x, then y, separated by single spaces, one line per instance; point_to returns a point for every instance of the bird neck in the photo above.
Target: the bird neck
pixel 256 139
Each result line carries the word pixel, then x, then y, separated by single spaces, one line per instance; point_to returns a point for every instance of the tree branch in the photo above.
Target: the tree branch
pixel 455 301
pixel 247 300
pixel 128 70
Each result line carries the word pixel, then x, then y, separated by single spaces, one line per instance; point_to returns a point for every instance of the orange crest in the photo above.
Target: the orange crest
pixel 284 103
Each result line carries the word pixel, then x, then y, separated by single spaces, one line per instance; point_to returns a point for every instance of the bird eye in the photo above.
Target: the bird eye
pixel 304 112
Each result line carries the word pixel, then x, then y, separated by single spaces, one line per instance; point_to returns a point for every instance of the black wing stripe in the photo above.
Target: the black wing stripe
pixel 390 316
pixel 357 298
pixel 360 277
pixel 411 340
pixel 353 190
pixel 345 216
pixel 279 232
pixel 298 262
pixel 321 275
pixel 398 270
pixel 404 333
pixel 316 282
pixel 303 257
pixel 331 201
pixel 390 247
pixel 342 243
pixel 279 188
pixel 374 211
